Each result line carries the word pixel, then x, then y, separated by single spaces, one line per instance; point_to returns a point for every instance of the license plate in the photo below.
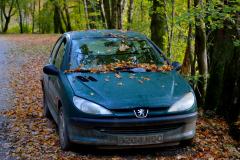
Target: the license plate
pixel 140 140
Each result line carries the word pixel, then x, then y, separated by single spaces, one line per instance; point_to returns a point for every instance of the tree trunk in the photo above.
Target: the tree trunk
pixel 39 13
pixel 186 65
pixel 120 14
pixel 107 10
pixel 171 34
pixel 1 19
pixel 158 29
pixel 200 50
pixel 68 27
pixel 86 14
pixel 7 17
pixel 114 14
pixel 20 17
pixel 103 15
pixel 33 16
pixel 130 15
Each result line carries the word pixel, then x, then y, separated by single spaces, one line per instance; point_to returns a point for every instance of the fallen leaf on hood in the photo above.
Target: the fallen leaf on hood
pixel 140 81
pixel 118 76
pixel 108 76
pixel 120 84
pixel 109 50
pixel 92 94
pixel 162 86
pixel 131 76
pixel 147 79
pixel 106 80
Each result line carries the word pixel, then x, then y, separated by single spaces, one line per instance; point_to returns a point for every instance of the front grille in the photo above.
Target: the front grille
pixel 139 130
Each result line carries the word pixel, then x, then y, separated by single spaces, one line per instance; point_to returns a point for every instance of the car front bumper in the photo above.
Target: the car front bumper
pixel 108 132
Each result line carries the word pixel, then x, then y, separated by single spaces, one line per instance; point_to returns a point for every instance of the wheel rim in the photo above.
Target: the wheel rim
pixel 62 126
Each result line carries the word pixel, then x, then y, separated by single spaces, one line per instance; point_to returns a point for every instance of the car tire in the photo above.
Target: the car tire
pixel 63 132
pixel 187 142
pixel 46 111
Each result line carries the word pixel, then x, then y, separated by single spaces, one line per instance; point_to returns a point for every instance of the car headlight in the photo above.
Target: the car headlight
pixel 89 107
pixel 184 103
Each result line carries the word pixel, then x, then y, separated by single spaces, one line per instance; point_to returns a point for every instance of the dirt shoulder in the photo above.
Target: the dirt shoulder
pixel 5 66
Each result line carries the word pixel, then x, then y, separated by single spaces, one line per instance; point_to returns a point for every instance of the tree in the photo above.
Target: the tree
pixel 107 10
pixel 201 52
pixel 130 14
pixel 20 16
pixel 114 14
pixel 7 16
pixel 158 24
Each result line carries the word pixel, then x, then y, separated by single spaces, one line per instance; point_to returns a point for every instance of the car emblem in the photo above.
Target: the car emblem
pixel 141 113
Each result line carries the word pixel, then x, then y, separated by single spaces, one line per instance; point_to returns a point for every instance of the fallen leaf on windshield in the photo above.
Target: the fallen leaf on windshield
pixel 108 76
pixel 162 86
pixel 106 80
pixel 73 80
pixel 120 84
pixel 141 77
pixel 165 62
pixel 123 31
pixel 118 76
pixel 125 37
pixel 69 64
pixel 92 94
pixel 140 81
pixel 175 83
pixel 123 47
pixel 86 36
pixel 87 76
pixel 65 72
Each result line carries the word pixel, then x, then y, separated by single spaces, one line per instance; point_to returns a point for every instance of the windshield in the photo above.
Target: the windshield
pixel 110 54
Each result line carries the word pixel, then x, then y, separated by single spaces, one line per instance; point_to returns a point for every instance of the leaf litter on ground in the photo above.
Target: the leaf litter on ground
pixel 34 136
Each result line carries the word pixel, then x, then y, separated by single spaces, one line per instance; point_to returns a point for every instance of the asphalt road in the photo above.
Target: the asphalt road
pixel 5 65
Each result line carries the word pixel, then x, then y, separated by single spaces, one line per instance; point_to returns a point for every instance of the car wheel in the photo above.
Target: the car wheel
pixel 46 111
pixel 187 142
pixel 63 132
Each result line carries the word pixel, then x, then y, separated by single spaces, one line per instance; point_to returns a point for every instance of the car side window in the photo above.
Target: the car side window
pixel 60 54
pixel 54 51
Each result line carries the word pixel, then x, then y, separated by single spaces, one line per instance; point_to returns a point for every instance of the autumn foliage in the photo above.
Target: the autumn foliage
pixel 33 135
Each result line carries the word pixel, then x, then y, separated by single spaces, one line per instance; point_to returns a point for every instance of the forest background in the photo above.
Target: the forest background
pixel 202 35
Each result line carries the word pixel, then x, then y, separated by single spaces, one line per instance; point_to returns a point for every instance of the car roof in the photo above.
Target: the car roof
pixel 103 33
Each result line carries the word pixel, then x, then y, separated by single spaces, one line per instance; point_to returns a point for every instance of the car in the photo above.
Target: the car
pixel 116 89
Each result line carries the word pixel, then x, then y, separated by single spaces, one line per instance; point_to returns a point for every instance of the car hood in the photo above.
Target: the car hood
pixel 162 90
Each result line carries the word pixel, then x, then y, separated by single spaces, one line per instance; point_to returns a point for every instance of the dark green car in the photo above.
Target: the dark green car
pixel 116 89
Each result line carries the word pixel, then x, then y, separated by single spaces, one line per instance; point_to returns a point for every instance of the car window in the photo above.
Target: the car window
pixel 60 54
pixel 55 49
pixel 95 52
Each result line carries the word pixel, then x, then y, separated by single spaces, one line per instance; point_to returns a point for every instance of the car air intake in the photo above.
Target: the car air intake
pixel 86 78
pixel 140 130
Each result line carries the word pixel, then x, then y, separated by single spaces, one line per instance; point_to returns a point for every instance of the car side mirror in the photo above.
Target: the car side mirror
pixel 50 70
pixel 176 66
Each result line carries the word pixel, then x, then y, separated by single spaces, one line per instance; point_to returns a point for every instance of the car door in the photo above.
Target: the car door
pixel 53 83
pixel 47 77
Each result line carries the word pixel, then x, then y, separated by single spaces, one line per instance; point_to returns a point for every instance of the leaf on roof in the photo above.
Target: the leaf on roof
pixel 94 29
pixel 103 34
pixel 123 47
